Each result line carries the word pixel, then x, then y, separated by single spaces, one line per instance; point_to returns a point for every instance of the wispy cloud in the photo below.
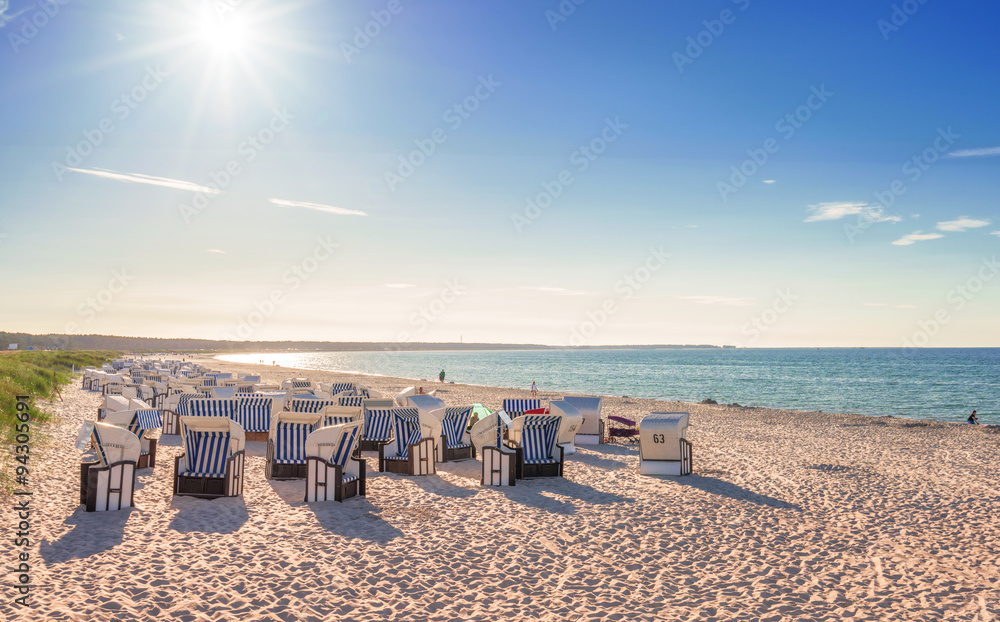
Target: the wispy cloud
pixel 139 178
pixel 319 207
pixel 963 223
pixel 840 209
pixel 982 152
pixel 560 291
pixel 996 233
pixel 769 181
pixel 215 250
pixel 400 285
pixel 719 300
pixel 5 18
pixel 916 236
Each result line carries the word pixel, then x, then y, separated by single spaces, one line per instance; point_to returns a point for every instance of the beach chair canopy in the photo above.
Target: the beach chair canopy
pixel 454 422
pixel 208 444
pixel 538 435
pixel 335 444
pixel 425 402
pixel 288 434
pixel 113 443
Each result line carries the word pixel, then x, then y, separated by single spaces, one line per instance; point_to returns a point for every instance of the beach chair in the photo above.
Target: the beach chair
pixel 332 462
pixel 140 423
pixel 402 395
pixel 456 440
pixel 253 413
pixel 286 445
pixel 377 429
pixel 412 451
pixel 571 421
pixel 310 404
pixel 518 407
pixel 623 428
pixel 591 431
pixel 212 463
pixel 111 403
pixel 534 439
pixel 108 483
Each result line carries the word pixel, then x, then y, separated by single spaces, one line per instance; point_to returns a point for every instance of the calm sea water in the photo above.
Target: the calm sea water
pixel 942 384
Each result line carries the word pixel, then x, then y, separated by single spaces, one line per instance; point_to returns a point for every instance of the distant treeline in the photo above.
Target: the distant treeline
pixel 145 344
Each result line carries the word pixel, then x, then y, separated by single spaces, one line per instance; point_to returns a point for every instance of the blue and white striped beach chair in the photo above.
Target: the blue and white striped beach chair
pixel 341 387
pixel 412 452
pixel 286 444
pixel 175 407
pixel 377 429
pixel 139 422
pixel 455 437
pixel 212 463
pixel 331 463
pixel 517 407
pixel 534 438
pixel 254 414
pixel 109 482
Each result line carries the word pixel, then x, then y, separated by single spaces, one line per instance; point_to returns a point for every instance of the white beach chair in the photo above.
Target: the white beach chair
pixel 591 431
pixel 108 483
pixel 141 423
pixel 572 419
pixel 332 463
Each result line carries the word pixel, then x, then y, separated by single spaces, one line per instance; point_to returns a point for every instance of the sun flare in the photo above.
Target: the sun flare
pixel 224 35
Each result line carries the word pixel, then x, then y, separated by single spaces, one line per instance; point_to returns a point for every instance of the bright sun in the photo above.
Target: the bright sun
pixel 226 35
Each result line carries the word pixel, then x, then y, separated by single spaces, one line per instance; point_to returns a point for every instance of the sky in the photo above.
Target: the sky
pixel 727 172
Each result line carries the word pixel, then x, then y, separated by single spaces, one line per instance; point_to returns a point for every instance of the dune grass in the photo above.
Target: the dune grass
pixel 36 374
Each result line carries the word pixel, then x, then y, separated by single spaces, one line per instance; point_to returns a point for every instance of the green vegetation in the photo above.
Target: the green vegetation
pixel 36 374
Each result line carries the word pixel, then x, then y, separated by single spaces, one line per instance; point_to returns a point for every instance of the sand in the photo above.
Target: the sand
pixel 788 516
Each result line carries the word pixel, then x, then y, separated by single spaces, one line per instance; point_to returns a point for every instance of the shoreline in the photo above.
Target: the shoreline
pixel 550 394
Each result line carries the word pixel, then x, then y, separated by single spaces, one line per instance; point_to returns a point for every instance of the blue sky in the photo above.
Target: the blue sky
pixel 761 174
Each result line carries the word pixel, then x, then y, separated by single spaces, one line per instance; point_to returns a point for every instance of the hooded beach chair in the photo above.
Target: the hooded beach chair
pixel 254 413
pixel 571 422
pixel 456 440
pixel 591 431
pixel 108 483
pixel 534 438
pixel 111 403
pixel 377 429
pixel 412 451
pixel 140 423
pixel 212 463
pixel 332 468
pixel 286 444
pixel 518 407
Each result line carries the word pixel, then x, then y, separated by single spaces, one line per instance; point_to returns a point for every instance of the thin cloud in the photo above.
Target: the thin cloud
pixel 963 223
pixel 719 300
pixel 215 250
pixel 769 181
pixel 983 152
pixel 841 209
pixel 399 285
pixel 319 207
pixel 6 19
pixel 139 178
pixel 915 237
pixel 561 291
pixel 996 233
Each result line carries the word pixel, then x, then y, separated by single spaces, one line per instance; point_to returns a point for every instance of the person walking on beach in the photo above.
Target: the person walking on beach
pixel 534 389
pixel 441 375
pixel 973 419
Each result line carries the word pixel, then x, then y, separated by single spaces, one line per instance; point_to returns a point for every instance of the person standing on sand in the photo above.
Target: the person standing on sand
pixel 973 419
pixel 534 389
pixel 441 375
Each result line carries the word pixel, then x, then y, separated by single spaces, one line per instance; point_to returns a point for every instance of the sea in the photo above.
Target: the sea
pixel 944 384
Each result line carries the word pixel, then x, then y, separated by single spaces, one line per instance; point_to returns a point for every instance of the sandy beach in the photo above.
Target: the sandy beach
pixel 788 516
